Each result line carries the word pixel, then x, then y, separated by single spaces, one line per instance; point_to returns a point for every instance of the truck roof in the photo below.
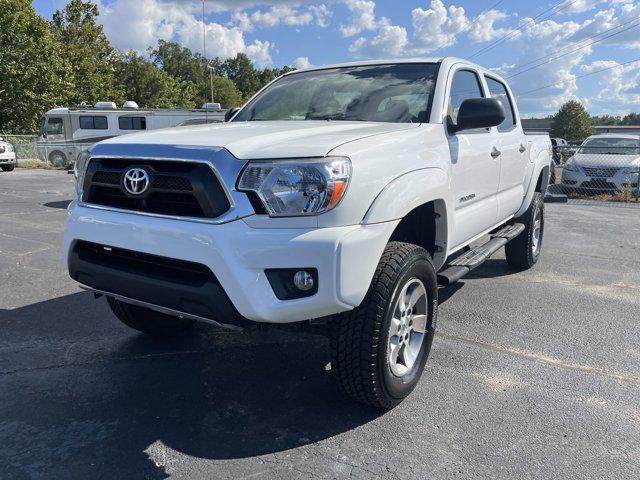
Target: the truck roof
pixel 444 61
pixel 384 61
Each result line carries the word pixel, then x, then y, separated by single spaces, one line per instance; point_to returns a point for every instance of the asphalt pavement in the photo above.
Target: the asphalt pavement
pixel 532 374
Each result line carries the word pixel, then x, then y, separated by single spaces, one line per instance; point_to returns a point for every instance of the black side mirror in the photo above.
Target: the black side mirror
pixel 230 113
pixel 478 113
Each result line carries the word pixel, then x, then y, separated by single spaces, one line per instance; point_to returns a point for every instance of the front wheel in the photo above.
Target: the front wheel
pixel 380 348
pixel 8 168
pixel 524 250
pixel 148 321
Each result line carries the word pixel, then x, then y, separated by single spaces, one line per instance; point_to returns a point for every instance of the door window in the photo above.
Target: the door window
pixel 465 84
pixel 499 92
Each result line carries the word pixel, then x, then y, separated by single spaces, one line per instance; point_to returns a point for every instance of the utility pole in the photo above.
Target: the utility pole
pixel 204 53
pixel 204 50
pixel 211 78
pixel 204 34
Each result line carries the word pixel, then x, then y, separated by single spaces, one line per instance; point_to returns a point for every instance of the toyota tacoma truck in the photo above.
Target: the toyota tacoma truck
pixel 341 195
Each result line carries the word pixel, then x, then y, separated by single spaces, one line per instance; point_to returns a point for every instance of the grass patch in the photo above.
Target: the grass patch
pixel 34 163
pixel 624 197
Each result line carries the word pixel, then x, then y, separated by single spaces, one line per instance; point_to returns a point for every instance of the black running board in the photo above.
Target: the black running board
pixel 475 257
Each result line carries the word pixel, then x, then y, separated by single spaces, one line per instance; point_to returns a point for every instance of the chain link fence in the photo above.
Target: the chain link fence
pixel 25 145
pixel 603 171
pixel 33 154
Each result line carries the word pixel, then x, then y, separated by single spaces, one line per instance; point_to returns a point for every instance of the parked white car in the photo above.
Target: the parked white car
pixel 337 195
pixel 7 156
pixel 604 163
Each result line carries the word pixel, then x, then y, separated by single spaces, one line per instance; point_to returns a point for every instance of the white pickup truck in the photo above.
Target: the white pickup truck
pixel 340 195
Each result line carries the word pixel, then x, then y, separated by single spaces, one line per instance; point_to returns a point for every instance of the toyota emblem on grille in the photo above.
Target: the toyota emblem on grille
pixel 136 181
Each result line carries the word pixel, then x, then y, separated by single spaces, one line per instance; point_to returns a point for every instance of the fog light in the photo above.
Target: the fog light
pixel 291 283
pixel 303 280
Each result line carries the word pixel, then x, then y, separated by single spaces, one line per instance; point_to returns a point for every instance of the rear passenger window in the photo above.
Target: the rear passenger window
pixel 132 123
pixel 93 123
pixel 499 92
pixel 465 84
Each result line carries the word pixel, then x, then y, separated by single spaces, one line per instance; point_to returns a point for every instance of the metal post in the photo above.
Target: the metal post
pixel 211 81
pixel 204 53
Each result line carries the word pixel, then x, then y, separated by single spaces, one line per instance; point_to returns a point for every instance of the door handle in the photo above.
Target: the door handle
pixel 522 148
pixel 495 153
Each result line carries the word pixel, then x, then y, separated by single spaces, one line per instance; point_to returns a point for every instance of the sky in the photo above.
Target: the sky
pixel 550 51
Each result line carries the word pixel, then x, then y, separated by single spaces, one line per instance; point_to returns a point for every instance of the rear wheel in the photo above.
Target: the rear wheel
pixel 148 321
pixel 8 168
pixel 380 348
pixel 57 158
pixel 524 250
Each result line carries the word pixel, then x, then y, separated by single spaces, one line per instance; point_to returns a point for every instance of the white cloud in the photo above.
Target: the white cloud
pixel 483 30
pixel 242 20
pixel 547 49
pixel 140 24
pixel 301 62
pixel 280 14
pixel 542 40
pixel 363 17
pixel 322 14
pixel 437 27
pixel 619 87
pixel 578 6
pixel 390 41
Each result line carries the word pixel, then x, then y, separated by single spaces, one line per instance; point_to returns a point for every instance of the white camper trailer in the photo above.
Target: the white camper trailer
pixel 65 132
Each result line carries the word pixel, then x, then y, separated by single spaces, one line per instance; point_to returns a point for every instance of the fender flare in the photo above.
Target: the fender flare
pixel 411 190
pixel 541 167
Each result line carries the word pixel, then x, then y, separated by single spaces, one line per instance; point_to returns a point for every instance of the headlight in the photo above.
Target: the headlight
pixel 571 166
pixel 80 169
pixel 630 170
pixel 297 187
pixel 9 147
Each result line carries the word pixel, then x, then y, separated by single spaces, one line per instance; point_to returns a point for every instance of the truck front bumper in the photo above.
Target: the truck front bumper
pixel 8 158
pixel 237 255
pixel 618 182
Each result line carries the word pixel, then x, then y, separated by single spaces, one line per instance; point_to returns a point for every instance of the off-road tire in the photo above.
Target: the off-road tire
pixel 520 252
pixel 148 321
pixel 360 338
pixel 7 168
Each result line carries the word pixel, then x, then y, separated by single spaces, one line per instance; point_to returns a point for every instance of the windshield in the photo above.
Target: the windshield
pixel 611 146
pixel 377 93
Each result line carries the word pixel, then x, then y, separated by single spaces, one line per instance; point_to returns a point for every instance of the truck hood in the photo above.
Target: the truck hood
pixel 274 139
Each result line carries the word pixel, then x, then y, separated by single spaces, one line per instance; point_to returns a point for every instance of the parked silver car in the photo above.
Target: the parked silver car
pixel 604 163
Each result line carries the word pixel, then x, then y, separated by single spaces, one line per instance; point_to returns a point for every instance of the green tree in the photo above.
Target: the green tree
pixel 605 120
pixel 143 82
pixel 225 92
pixel 33 77
pixel 180 62
pixel 241 71
pixel 84 44
pixel 572 122
pixel 631 119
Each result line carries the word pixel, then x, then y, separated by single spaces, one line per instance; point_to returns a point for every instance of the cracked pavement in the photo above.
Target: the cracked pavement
pixel 532 374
